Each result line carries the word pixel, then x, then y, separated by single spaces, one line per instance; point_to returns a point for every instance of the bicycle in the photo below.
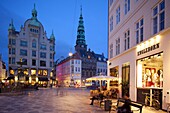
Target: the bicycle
pixel 155 102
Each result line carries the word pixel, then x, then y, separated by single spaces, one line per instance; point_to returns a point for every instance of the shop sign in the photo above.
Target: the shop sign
pixel 148 49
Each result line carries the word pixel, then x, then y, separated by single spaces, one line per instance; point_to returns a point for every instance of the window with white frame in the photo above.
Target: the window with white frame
pixel 111 23
pixel 111 50
pixel 159 17
pixel 118 15
pixel 127 40
pixel 127 6
pixel 139 31
pixel 117 46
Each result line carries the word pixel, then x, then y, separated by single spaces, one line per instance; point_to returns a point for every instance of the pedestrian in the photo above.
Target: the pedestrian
pixel 125 108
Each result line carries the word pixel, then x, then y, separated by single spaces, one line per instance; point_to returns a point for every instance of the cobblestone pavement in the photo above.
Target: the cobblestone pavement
pixel 53 100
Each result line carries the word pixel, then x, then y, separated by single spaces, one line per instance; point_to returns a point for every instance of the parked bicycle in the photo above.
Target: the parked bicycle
pixel 155 102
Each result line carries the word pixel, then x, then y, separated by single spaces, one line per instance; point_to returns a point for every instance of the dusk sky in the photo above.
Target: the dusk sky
pixel 62 17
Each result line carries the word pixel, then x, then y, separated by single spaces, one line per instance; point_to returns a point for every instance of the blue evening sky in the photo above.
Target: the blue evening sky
pixel 62 17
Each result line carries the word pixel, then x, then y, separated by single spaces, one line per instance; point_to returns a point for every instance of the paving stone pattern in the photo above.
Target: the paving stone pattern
pixel 53 100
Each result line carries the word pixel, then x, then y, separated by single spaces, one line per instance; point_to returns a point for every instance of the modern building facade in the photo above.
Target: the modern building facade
pixel 31 52
pixel 138 47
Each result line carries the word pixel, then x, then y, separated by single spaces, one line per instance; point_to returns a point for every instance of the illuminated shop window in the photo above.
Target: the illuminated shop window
pixel 150 71
pixel 33 72
pixel 26 72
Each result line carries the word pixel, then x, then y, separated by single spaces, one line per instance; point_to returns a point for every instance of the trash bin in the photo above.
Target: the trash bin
pixel 107 105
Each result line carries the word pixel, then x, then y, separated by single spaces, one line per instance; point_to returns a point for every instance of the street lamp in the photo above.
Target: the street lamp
pixel 72 68
pixel 70 54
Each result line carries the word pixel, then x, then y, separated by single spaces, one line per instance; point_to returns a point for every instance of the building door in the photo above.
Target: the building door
pixel 125 78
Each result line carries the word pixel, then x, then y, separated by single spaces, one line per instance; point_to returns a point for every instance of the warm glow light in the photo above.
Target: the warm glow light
pixel 139 75
pixel 30 79
pixel 36 79
pixel 16 78
pixel 70 54
pixel 147 44
pixel 142 46
pixel 158 38
pixel 138 48
pixel 152 41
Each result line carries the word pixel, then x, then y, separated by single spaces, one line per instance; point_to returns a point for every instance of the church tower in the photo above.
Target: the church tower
pixel 81 42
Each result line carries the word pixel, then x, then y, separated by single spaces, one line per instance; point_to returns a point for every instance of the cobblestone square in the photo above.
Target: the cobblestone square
pixel 54 100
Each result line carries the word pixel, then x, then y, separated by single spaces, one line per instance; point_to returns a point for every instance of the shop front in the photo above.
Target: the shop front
pixel 153 69
pixel 150 78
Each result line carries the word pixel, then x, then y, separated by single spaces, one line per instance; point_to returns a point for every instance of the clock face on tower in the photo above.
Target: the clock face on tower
pixel 82 45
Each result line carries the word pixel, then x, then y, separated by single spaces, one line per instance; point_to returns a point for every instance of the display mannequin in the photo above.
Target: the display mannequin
pixel 161 78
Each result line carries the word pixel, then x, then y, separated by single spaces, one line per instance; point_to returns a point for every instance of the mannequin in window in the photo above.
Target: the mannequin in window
pixel 161 78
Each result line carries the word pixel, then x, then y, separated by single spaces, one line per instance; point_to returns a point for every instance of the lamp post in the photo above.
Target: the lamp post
pixel 72 69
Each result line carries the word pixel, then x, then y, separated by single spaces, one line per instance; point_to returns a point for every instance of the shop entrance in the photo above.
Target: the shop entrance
pixel 125 78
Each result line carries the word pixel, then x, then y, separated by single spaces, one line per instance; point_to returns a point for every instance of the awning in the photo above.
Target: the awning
pixel 102 78
pixel 43 79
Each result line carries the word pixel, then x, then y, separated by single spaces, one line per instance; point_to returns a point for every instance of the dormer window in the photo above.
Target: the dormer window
pixel 99 59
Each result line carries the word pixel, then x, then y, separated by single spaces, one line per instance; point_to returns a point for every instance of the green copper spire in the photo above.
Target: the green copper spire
pixel 34 21
pixel 34 13
pixel 11 26
pixel 52 37
pixel 80 31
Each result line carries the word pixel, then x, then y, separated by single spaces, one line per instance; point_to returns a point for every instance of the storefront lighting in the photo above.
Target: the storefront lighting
pixel 152 41
pixel 138 48
pixel 36 79
pixel 158 38
pixel 16 78
pixel 30 79
pixel 139 75
pixel 142 46
pixel 146 58
pixel 147 44
pixel 159 55
pixel 155 56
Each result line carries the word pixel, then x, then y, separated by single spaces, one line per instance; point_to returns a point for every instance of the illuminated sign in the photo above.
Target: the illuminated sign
pixel 148 49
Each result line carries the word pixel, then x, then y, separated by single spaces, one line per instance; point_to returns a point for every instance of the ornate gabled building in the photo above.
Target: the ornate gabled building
pixel 31 51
